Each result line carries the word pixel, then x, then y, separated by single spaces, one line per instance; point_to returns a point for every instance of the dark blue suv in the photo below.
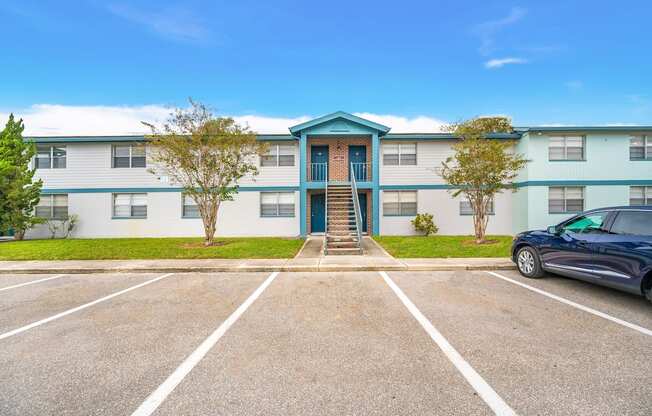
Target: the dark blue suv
pixel 607 246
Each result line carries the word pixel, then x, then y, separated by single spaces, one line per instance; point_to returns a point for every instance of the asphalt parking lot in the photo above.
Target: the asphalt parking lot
pixel 443 343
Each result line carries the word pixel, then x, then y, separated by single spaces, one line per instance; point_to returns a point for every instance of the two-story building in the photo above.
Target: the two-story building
pixel 106 183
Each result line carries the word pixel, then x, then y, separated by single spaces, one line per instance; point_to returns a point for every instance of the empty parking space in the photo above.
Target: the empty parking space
pixel 541 356
pixel 321 343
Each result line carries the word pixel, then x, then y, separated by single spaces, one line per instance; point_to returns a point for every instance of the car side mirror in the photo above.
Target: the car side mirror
pixel 553 230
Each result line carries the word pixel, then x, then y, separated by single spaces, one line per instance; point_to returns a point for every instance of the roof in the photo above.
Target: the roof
pixel 339 115
pixel 586 129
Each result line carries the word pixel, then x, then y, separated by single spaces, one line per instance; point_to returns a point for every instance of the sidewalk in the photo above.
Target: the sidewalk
pixel 309 259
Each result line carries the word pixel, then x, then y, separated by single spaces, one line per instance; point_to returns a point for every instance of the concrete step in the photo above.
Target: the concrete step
pixel 342 244
pixel 344 251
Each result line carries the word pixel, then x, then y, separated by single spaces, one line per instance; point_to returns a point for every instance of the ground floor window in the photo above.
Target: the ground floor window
pixel 190 209
pixel 640 195
pixel 466 209
pixel 130 205
pixel 565 199
pixel 52 206
pixel 277 204
pixel 399 203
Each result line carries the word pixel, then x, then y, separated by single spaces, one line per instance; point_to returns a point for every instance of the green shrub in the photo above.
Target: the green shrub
pixel 423 223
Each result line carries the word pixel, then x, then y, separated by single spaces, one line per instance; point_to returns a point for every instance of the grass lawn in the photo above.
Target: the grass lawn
pixel 149 248
pixel 443 246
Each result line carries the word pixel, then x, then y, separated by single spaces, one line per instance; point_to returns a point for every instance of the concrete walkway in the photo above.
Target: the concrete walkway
pixel 309 259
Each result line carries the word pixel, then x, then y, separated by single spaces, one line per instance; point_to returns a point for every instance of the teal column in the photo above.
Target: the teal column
pixel 303 183
pixel 375 184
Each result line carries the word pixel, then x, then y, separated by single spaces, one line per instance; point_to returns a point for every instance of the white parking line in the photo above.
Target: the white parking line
pixel 79 308
pixel 31 282
pixel 159 395
pixel 486 392
pixel 576 305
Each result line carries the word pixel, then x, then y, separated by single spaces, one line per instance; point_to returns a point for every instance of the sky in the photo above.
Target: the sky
pixel 101 67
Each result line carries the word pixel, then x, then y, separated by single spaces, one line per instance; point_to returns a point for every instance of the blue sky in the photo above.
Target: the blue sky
pixel 552 62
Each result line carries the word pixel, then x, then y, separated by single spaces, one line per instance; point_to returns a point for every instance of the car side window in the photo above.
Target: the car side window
pixel 587 224
pixel 633 223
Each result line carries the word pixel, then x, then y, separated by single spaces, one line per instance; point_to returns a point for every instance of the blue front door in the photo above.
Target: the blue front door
pixel 319 163
pixel 358 162
pixel 317 213
pixel 363 210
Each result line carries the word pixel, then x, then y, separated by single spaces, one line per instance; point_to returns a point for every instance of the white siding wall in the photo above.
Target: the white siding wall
pixel 446 211
pixel 429 158
pixel 240 217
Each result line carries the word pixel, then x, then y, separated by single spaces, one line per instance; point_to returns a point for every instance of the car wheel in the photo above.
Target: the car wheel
pixel 648 294
pixel 528 264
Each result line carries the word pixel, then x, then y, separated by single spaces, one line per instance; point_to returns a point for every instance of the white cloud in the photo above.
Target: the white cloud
pixel 499 63
pixel 65 120
pixel 171 22
pixel 487 30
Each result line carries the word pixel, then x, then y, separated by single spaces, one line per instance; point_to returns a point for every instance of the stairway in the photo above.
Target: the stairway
pixel 341 231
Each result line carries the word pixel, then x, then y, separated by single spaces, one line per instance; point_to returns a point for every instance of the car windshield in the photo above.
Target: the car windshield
pixel 585 224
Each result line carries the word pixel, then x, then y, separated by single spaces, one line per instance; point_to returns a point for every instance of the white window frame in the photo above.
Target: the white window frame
pixel 646 192
pixel 131 205
pixel 565 199
pixel 400 203
pixel 51 215
pixel 51 147
pixel 184 205
pixel 647 147
pixel 278 205
pixel 565 147
pixel 275 152
pixel 131 157
pixel 400 161
pixel 466 210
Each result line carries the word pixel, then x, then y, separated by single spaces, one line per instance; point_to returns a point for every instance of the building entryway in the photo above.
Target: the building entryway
pixel 318 163
pixel 358 163
pixel 317 213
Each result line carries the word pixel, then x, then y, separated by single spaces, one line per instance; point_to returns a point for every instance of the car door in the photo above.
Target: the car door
pixel 624 254
pixel 570 251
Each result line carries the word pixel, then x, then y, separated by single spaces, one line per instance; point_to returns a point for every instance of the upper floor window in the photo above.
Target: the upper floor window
pixel 130 205
pixel 640 195
pixel 565 199
pixel 50 157
pixel 399 203
pixel 278 155
pixel 395 154
pixel 53 206
pixel 190 209
pixel 466 209
pixel 129 156
pixel 277 204
pixel 640 148
pixel 566 148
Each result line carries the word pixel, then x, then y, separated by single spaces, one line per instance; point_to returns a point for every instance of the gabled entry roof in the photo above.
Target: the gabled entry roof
pixel 339 122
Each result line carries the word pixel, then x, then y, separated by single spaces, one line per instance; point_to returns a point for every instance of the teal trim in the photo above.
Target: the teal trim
pixel 322 185
pixel 375 188
pixel 299 128
pixel 303 175
pixel 148 190
pixel 444 136
pixel 141 138
pixel 413 187
pixel 623 182
pixel 588 129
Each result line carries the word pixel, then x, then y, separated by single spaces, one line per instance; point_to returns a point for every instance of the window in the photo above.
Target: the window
pixel 50 157
pixel 129 156
pixel 277 204
pixel 465 207
pixel 190 209
pixel 399 154
pixel 587 224
pixel 566 148
pixel 565 199
pixel 53 206
pixel 640 195
pixel 640 148
pixel 130 205
pixel 399 203
pixel 633 223
pixel 278 155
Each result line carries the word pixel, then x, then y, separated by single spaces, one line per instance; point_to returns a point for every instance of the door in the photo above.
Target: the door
pixel 317 213
pixel 363 210
pixel 358 162
pixel 319 163
pixel 623 255
pixel 571 252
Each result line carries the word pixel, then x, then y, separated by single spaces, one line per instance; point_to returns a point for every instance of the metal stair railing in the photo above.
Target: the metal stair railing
pixel 326 221
pixel 356 208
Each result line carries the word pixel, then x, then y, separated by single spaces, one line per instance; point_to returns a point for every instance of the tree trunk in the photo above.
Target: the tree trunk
pixel 209 218
pixel 19 234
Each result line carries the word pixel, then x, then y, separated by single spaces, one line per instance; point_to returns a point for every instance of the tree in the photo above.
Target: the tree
pixel 19 194
pixel 481 167
pixel 206 155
